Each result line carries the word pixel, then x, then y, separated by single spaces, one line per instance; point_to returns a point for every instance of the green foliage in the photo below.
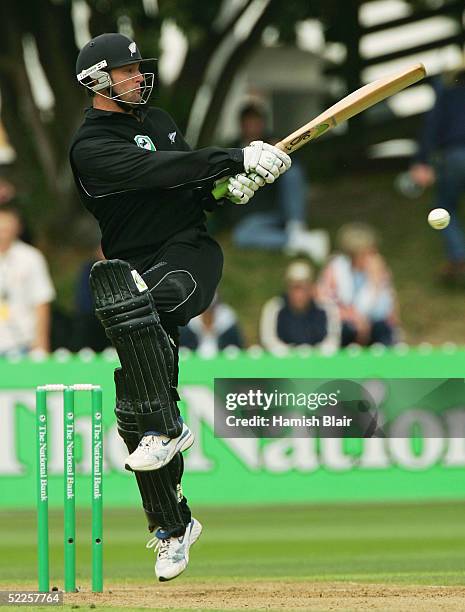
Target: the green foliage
pixel 195 21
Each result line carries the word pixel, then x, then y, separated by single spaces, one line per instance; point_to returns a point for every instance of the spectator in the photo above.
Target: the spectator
pixel 26 290
pixel 88 331
pixel 212 331
pixel 9 196
pixel 299 317
pixel 276 218
pixel 444 134
pixel 358 280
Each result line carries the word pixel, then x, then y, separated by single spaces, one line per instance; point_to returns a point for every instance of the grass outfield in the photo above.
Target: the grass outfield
pixel 303 545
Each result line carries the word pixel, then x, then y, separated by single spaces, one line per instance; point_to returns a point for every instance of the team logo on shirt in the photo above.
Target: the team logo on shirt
pixel 144 142
pixel 172 137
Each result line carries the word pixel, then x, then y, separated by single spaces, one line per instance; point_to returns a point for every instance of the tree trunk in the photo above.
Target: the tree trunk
pixel 36 157
pixel 236 59
pixel 180 96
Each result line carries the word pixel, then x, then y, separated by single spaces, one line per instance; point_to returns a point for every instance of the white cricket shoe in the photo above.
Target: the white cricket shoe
pixel 173 553
pixel 155 451
pixel 313 244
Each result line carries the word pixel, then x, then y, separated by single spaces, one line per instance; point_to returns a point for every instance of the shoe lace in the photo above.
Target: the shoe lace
pixel 147 442
pixel 161 545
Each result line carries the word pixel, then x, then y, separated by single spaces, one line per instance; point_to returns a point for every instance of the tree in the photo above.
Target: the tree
pixel 221 34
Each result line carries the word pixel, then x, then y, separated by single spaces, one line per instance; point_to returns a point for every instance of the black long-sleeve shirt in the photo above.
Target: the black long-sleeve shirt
pixel 137 175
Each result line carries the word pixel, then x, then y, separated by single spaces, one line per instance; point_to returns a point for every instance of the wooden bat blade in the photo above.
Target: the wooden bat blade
pixel 351 105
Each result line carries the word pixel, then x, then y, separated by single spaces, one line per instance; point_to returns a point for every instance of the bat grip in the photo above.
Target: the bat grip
pixel 221 190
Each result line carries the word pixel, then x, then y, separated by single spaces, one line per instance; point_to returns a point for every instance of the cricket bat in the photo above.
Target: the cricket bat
pixel 348 107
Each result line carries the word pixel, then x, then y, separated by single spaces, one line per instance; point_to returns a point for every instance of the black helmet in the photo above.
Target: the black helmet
pixel 102 54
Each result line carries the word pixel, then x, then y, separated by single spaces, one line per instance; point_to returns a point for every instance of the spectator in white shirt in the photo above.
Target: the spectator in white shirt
pixel 26 290
pixel 359 281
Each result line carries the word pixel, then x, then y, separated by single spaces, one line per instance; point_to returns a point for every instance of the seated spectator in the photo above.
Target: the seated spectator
pixel 298 317
pixel 358 280
pixel 212 331
pixel 26 290
pixel 276 218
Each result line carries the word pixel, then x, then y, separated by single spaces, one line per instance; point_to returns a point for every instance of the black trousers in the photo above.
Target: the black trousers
pixel 182 278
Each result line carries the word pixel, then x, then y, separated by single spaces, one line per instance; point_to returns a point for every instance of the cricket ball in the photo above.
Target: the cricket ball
pixel 439 218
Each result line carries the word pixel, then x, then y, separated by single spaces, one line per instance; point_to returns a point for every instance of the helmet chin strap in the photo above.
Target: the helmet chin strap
pixel 129 107
pixel 126 106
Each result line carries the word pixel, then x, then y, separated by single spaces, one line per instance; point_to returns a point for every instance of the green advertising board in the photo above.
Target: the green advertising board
pixel 234 471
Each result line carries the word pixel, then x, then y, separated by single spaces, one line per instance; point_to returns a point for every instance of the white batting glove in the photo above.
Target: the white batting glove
pixel 256 178
pixel 266 160
pixel 242 187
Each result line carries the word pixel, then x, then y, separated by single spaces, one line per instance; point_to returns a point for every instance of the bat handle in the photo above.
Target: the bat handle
pixel 221 189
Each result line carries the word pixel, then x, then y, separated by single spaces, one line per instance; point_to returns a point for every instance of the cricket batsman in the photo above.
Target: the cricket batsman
pixel 149 191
